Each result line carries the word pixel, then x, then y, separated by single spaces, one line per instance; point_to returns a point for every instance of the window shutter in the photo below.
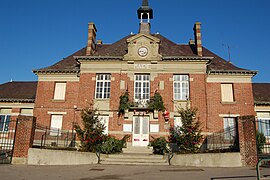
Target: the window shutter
pixel 60 91
pixel 226 92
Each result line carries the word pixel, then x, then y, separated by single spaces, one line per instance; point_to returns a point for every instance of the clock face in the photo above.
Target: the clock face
pixel 143 51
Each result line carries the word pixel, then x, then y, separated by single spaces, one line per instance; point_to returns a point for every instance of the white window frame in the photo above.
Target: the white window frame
pixel 60 91
pixel 56 124
pixel 227 92
pixel 103 86
pixel 180 87
pixel 229 123
pixel 264 126
pixel 141 87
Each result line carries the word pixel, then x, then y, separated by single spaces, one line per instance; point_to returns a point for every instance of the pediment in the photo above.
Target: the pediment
pixel 143 47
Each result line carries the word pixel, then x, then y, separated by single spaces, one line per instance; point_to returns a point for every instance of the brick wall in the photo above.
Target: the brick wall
pixel 242 106
pixel 24 136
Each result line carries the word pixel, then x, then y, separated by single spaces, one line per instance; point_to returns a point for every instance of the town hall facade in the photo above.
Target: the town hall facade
pixel 141 65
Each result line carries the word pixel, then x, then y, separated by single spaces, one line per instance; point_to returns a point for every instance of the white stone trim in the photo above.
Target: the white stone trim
pixel 57 113
pixel 229 79
pixel 58 77
pixel 229 115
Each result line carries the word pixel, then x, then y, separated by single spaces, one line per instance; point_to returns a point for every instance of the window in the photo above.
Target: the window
pixel 227 93
pixel 142 87
pixel 229 128
pixel 103 86
pixel 180 87
pixel 264 126
pixel 60 91
pixel 56 124
pixel 4 119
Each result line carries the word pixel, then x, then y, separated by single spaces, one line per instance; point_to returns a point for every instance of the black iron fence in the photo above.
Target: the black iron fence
pixel 46 137
pixel 223 141
pixel 7 138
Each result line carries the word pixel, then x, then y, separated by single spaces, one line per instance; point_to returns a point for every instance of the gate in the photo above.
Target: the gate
pixel 263 138
pixel 7 137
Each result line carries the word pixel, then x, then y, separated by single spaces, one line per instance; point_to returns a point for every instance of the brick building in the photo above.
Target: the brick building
pixel 142 64
pixel 16 98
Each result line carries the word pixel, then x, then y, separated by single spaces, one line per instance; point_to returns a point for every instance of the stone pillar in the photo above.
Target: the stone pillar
pixel 247 140
pixel 24 138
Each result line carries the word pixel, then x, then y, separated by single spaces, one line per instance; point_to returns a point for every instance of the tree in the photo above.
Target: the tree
pixel 91 135
pixel 188 136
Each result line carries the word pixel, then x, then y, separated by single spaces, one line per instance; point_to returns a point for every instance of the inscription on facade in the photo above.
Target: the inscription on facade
pixel 142 66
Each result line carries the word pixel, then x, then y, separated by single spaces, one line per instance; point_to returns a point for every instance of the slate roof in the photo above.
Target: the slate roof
pixel 261 93
pixel 119 48
pixel 18 91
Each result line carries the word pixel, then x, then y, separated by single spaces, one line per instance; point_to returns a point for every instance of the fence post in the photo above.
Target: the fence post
pixel 24 138
pixel 247 140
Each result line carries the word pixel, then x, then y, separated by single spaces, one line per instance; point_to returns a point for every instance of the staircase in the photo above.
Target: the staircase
pixel 134 156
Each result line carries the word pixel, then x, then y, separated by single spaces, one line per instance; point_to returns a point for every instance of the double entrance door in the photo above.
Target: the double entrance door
pixel 140 131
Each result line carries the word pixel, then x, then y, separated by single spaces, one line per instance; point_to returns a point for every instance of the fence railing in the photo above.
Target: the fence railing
pixel 46 137
pixel 264 146
pixel 223 141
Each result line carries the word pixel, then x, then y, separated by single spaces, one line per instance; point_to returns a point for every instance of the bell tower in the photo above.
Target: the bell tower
pixel 145 13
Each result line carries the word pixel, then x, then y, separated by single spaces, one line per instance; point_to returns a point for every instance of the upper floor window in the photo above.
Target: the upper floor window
pixel 181 87
pixel 60 91
pixel 103 86
pixel 227 93
pixel 142 87
pixel 4 119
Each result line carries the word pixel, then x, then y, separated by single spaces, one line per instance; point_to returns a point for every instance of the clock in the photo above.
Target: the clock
pixel 143 51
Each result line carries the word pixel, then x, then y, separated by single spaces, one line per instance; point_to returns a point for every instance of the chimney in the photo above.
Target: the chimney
pixel 198 38
pixel 91 42
pixel 99 41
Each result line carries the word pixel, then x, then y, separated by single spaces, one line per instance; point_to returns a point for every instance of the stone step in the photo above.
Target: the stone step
pixel 134 163
pixel 134 156
pixel 134 159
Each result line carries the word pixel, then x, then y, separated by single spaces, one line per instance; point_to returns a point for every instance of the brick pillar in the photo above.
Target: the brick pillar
pixel 247 140
pixel 24 138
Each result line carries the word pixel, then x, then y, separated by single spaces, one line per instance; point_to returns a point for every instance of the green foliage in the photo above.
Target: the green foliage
pixel 113 145
pixel 123 104
pixel 156 102
pixel 188 136
pixel 159 145
pixel 261 140
pixel 92 137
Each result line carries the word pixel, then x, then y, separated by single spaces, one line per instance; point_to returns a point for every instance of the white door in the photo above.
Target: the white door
pixel 140 131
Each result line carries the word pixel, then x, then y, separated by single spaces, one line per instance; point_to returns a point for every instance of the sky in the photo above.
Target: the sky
pixel 38 33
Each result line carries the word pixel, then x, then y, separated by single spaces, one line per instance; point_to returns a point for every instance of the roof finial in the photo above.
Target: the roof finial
pixel 145 3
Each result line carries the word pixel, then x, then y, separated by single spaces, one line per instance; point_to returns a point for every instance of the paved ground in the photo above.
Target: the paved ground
pixel 120 172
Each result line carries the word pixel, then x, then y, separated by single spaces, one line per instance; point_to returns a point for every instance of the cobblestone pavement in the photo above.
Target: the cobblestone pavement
pixel 121 172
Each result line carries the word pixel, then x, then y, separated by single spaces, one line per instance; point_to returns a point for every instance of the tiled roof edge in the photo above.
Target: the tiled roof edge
pixel 17 100
pixel 233 72
pixel 187 58
pixel 261 103
pixel 87 58
pixel 53 71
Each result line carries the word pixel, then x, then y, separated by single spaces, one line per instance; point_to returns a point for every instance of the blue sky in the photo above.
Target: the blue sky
pixel 38 33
